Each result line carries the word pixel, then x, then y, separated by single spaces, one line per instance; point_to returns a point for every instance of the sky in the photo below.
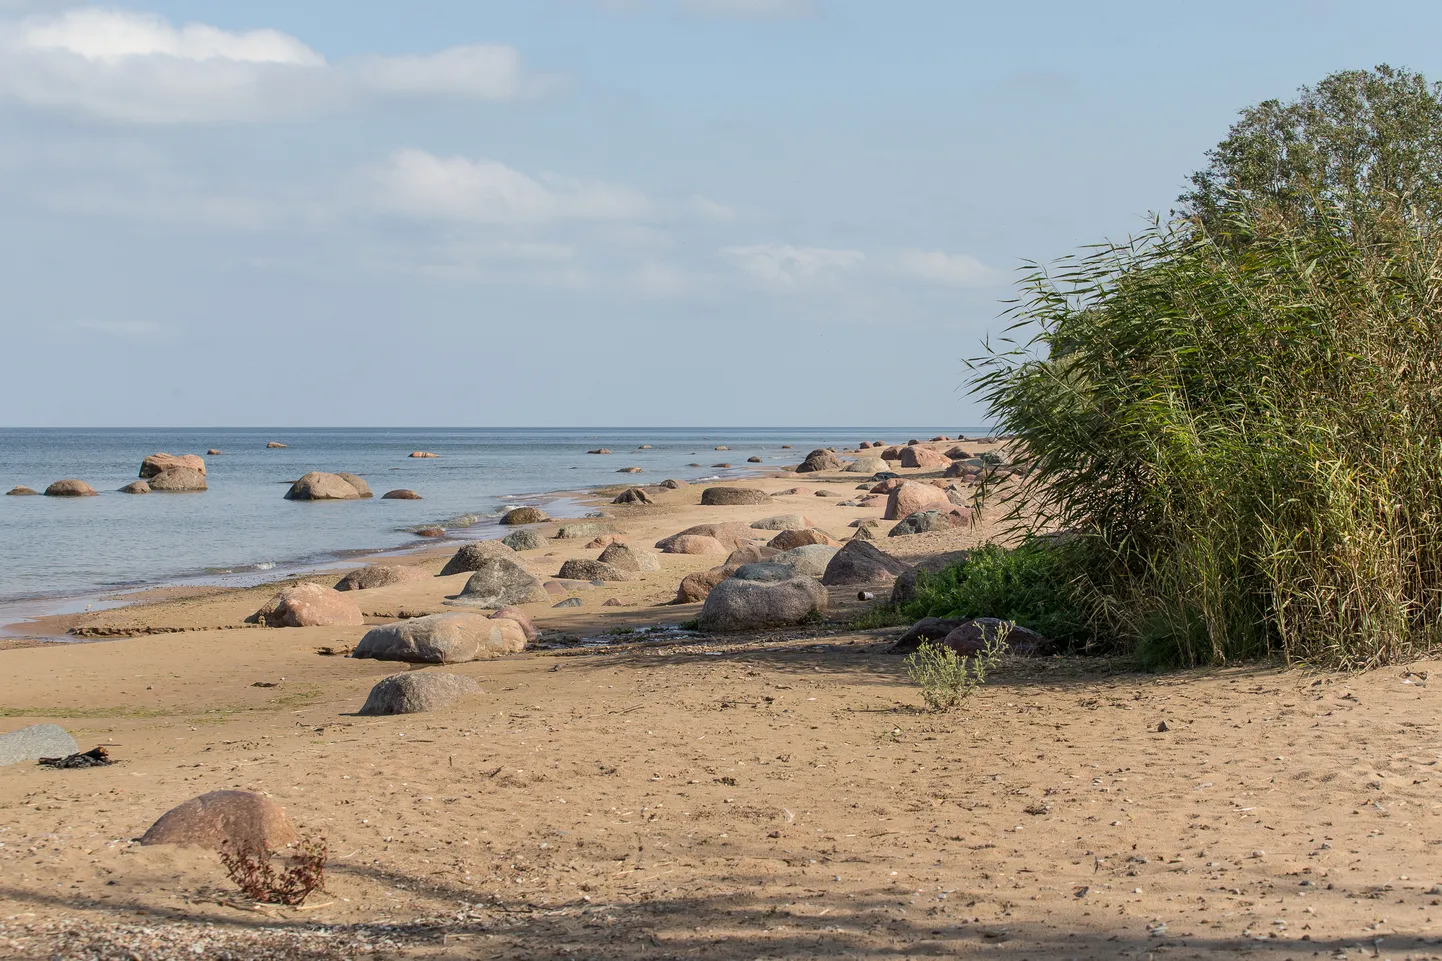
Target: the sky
pixel 589 212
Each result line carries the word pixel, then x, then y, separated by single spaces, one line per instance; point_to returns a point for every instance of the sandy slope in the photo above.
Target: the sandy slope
pixel 767 796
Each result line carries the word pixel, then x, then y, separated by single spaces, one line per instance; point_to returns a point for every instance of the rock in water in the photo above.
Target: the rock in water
pixel 861 562
pixel 179 480
pixel 402 494
pixel 34 742
pixel 308 605
pixel 417 692
pixel 423 453
pixel 474 554
pixel 224 819
pixel 380 575
pixel 361 487
pixel 136 487
pixel 524 515
pixel 499 582
pixel 736 605
pixel 523 540
pixel 782 522
pixel 70 488
pixel 800 538
pixel 452 638
pixel 275 445
pixel 728 496
pixel 627 558
pixel 22 491
pixel 819 460
pixel 159 463
pixel 581 569
pixel 321 486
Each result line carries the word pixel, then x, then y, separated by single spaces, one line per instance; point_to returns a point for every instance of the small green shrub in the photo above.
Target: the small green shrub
pixel 945 677
pixel 881 615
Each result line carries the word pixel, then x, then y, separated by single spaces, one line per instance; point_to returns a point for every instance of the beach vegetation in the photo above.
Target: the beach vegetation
pixel 947 678
pixel 254 870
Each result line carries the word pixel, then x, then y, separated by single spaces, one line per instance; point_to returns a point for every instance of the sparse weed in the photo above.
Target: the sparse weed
pixel 947 678
pixel 253 870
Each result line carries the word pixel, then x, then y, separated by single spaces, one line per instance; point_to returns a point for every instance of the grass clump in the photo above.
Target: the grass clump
pixel 254 871
pixel 947 678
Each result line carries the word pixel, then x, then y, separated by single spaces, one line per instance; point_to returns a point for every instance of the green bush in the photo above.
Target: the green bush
pixel 945 677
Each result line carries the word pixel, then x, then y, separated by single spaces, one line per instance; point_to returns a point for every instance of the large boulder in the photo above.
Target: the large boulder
pixel 524 515
pixel 22 491
pixel 401 494
pixel 70 488
pixel 628 558
pixel 524 539
pixel 34 742
pixel 867 465
pixel 809 560
pixel 499 582
pixel 973 636
pixel 752 554
pixel 158 463
pixel 769 571
pixel 924 522
pixel 904 590
pixel 380 575
pixel 580 529
pixel 308 605
pixel 361 487
pixel 819 460
pixel 451 638
pixel 782 522
pixel 321 486
pixel 178 480
pixel 474 554
pixel 928 629
pixel 633 495
pixel 235 820
pixel 730 496
pixel 736 605
pixel 691 544
pixel 861 562
pixel 800 538
pixel 730 535
pixel 585 569
pixel 697 585
pixel 912 496
pixel 417 692
pixel 923 457
pixel 528 627
pixel 891 453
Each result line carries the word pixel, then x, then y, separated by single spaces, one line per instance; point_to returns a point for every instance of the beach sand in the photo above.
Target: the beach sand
pixel 773 795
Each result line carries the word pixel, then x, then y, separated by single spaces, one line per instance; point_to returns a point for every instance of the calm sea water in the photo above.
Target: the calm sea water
pixel 243 529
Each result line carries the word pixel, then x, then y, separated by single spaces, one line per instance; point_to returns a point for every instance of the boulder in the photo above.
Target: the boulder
pixel 275 445
pixel 819 460
pixel 520 617
pixel 809 560
pixel 605 540
pixel 644 447
pixel 136 487
pixel 735 605
pixel 866 465
pixel 924 522
pixel 958 453
pixel 888 485
pixel 727 496
pixel 731 535
pixel 912 496
pixel 861 562
pixel 380 575
pixel 321 486
pixel 570 532
pixel 782 522
pixel 524 515
pixel 927 629
pixel 800 538
pixel 308 605
pixel 22 491
pixel 971 637
pixel 863 534
pixel 768 571
pixel 431 532
pixel 417 692
pixel 959 468
pixel 499 582
pixel 179 480
pixel 570 602
pixel 904 590
pixel 157 463
pixel 599 450
pixel 584 569
pixel 752 554
pixel 672 484
pixel 691 544
pixel 523 540
pixel 865 522
pixel 891 453
pixel 629 470
pixel 401 494
pixel 696 586
pixel 451 638
pixel 235 820
pixel 721 465
pixel 361 487
pixel 34 742
pixel 213 452
pixel 924 458
pixel 627 558
pixel 753 460
pixel 634 495
pixel 70 488
pixel 423 453
pixel 475 554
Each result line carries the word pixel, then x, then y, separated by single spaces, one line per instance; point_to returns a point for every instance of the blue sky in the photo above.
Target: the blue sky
pixel 587 212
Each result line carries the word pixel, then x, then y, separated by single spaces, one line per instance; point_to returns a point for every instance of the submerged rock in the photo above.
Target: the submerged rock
pixel 70 488
pixel 22 491
pixel 136 487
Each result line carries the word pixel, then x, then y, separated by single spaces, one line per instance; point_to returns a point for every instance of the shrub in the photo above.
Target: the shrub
pixel 253 871
pixel 947 678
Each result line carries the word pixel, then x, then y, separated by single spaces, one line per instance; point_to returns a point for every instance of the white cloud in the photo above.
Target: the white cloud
pixel 140 68
pixel 484 191
pixel 790 268
pixel 953 270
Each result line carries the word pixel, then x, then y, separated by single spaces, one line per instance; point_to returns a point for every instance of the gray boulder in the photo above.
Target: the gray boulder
pixel 861 562
pixel 568 532
pixel 728 496
pixel 523 540
pixel 866 465
pixel 475 554
pixel 584 569
pixel 736 605
pixel 819 460
pixel 524 515
pixel 924 522
pixel 451 638
pixel 380 575
pixel 499 582
pixel 927 629
pixel 628 558
pixel 361 487
pixel 768 571
pixel 634 495
pixel 783 522
pixel 34 742
pixel 809 560
pixel 417 692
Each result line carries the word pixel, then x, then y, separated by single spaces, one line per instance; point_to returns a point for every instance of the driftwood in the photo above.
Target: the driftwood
pixel 97 757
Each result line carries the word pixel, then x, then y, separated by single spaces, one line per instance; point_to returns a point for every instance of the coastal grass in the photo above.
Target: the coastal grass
pixel 1243 434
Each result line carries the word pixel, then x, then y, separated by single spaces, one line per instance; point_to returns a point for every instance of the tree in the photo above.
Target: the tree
pixel 1362 149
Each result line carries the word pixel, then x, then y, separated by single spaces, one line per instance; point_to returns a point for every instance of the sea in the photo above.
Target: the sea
pixel 59 555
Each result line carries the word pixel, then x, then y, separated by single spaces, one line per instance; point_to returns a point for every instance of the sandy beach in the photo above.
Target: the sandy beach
pixel 621 793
